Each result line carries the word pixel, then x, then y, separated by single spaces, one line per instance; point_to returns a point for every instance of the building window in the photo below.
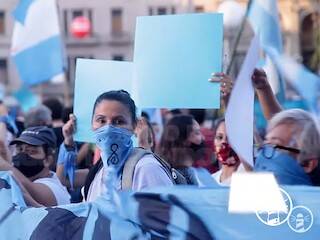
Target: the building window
pixel 162 11
pixel 77 13
pixel 3 71
pixel 199 9
pixel 118 57
pixel 65 22
pixel 116 20
pixel 150 11
pixel 2 22
pixel 72 62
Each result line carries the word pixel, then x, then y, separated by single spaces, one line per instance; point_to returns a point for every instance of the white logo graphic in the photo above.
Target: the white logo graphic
pixel 277 218
pixel 301 219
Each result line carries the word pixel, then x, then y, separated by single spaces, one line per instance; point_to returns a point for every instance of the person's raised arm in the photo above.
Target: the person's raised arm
pixel 226 84
pixel 37 193
pixel 68 130
pixel 68 156
pixel 267 99
pixel 269 103
pixel 67 151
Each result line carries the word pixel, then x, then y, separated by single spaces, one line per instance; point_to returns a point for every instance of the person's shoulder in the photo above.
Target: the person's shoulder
pixel 59 191
pixel 148 160
pixel 149 172
pixel 52 178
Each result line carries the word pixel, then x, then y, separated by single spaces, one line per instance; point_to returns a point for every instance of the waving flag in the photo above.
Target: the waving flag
pixel 304 81
pixel 264 19
pixel 37 48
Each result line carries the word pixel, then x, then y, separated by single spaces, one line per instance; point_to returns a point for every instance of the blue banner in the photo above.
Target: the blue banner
pixel 168 213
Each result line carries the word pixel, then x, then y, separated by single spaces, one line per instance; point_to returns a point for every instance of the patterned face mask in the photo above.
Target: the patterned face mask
pixel 115 145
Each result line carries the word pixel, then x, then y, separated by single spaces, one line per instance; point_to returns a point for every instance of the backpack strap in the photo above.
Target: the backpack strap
pixel 90 177
pixel 129 166
pixel 137 153
pixel 175 176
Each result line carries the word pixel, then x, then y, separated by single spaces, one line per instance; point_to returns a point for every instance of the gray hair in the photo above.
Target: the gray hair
pixel 38 116
pixel 306 133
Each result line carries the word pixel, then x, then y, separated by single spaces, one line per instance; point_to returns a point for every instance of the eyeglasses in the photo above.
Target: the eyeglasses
pixel 268 150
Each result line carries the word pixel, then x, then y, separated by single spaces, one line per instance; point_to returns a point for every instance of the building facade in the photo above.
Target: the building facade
pixel 113 26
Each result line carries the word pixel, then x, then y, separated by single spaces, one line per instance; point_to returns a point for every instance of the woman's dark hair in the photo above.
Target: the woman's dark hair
pixel 172 144
pixel 198 114
pixel 151 136
pixel 217 123
pixel 55 106
pixel 65 113
pixel 121 96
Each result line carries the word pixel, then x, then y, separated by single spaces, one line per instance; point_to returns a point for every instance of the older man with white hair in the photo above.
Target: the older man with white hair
pixel 292 148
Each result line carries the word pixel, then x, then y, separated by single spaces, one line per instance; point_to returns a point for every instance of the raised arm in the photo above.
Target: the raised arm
pixel 267 99
pixel 68 157
pixel 36 194
pixel 269 103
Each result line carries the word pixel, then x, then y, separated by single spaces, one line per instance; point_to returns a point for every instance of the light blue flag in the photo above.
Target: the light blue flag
pixel 26 98
pixel 21 10
pixel 264 18
pixel 37 47
pixel 184 212
pixel 304 81
pixel 174 56
pixel 94 77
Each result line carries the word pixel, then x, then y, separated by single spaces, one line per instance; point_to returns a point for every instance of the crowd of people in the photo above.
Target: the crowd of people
pixel 52 169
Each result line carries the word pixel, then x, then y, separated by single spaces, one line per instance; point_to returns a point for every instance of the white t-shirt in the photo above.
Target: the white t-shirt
pixel 226 182
pixel 147 173
pixel 59 191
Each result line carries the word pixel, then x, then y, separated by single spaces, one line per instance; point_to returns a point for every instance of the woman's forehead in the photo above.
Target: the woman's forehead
pixel 221 127
pixel 111 108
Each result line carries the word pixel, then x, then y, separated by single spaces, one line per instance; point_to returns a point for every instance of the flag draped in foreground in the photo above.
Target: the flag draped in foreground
pixel 37 48
pixel 168 213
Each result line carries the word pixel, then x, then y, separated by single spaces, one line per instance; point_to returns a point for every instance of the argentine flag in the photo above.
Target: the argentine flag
pixel 37 48
pixel 304 81
pixel 264 19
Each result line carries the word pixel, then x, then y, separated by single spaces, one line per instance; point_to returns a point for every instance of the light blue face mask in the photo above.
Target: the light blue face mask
pixel 115 145
pixel 284 167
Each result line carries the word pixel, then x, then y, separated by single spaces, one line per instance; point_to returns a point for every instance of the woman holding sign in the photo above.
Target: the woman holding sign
pixel 229 160
pixel 113 122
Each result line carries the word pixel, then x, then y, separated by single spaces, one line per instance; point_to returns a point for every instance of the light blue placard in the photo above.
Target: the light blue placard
pixel 26 98
pixel 174 57
pixel 94 77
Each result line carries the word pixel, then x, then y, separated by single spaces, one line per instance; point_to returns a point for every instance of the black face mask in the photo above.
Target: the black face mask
pixel 198 150
pixel 27 165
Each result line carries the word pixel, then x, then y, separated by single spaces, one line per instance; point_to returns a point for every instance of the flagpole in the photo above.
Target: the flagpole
pixel 239 34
